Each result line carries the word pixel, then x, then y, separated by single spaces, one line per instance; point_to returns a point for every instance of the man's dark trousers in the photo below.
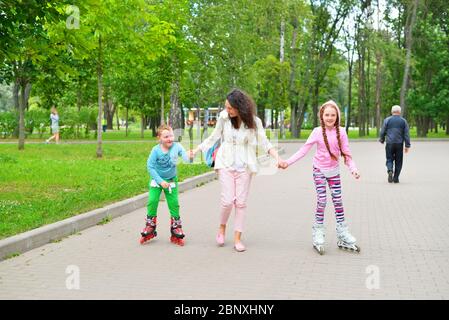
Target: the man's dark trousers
pixel 395 152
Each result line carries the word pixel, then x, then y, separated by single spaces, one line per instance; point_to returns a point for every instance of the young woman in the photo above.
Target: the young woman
pixel 240 131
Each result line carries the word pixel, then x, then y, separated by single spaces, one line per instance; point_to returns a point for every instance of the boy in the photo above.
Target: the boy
pixel 161 166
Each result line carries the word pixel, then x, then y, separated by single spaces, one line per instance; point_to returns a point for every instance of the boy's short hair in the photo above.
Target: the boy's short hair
pixel 163 127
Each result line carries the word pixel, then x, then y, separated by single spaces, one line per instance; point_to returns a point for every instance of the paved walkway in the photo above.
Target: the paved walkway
pixel 402 230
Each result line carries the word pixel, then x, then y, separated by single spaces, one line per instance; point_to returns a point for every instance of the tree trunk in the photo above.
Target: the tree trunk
pixel 378 78
pixel 261 114
pixel 22 105
pixel 175 110
pixel 362 88
pixel 15 92
pixel 316 92
pixel 110 110
pixel 162 107
pixel 410 23
pixel 27 95
pixel 293 121
pixel 100 101
pixel 282 41
pixel 276 122
pixel 117 118
pixel 447 125
pixel 126 121
pixel 282 128
pixel 198 124
pixel 302 111
pixel 142 124
pixel 293 91
pixel 154 125
pixel 205 126
pixel 348 118
pixel 368 88
pixel 281 58
pixel 191 135
pixel 183 118
pixel 378 91
pixel 422 126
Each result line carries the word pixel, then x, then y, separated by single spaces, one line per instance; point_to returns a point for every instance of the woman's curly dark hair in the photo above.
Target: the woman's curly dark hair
pixel 246 107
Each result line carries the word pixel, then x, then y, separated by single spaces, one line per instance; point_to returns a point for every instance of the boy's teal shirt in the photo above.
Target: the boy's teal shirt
pixel 162 166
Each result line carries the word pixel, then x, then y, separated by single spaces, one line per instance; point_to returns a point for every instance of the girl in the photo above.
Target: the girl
pixel 54 117
pixel 332 143
pixel 161 166
pixel 240 131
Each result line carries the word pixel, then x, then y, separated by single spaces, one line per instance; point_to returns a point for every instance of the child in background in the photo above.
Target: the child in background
pixel 161 166
pixel 332 143
pixel 54 117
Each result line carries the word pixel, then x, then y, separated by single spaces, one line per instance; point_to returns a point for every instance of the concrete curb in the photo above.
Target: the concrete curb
pixel 40 236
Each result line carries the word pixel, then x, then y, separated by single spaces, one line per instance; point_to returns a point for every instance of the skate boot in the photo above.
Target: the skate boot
pixel 177 235
pixel 318 237
pixel 149 232
pixel 345 240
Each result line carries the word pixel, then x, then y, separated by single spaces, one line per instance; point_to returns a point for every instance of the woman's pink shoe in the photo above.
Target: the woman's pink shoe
pixel 220 239
pixel 239 247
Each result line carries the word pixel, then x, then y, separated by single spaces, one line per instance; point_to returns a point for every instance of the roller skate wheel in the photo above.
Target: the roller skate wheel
pixel 177 241
pixel 353 248
pixel 320 250
pixel 146 238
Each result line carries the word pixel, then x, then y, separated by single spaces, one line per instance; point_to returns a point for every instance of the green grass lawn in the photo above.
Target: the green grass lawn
pixel 48 183
pixel 134 134
pixel 109 135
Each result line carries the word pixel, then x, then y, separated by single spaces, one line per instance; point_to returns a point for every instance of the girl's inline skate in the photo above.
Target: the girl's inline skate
pixel 318 235
pixel 345 240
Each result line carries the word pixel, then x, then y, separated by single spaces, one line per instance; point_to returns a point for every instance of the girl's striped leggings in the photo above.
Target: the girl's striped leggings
pixel 335 188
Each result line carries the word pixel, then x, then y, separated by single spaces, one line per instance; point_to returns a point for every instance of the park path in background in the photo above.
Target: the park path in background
pixel 81 141
pixel 402 230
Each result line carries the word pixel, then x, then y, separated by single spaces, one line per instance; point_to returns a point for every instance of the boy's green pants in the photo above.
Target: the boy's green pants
pixel 171 198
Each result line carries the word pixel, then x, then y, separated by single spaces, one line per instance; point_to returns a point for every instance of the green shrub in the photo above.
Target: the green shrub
pixel 8 122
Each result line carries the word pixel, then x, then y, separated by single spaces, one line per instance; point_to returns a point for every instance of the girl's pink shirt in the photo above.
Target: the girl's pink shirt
pixel 322 159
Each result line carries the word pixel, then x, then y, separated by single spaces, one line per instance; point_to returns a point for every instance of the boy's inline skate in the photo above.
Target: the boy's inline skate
pixel 177 235
pixel 149 232
pixel 318 235
pixel 345 240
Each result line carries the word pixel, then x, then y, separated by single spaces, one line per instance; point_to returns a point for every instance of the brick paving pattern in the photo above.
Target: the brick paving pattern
pixel 402 230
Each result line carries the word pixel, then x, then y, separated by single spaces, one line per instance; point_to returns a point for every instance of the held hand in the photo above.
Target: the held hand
pixel 406 150
pixel 282 164
pixel 356 174
pixel 165 185
pixel 193 152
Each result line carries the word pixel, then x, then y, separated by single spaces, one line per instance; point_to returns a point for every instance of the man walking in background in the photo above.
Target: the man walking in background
pixel 396 129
